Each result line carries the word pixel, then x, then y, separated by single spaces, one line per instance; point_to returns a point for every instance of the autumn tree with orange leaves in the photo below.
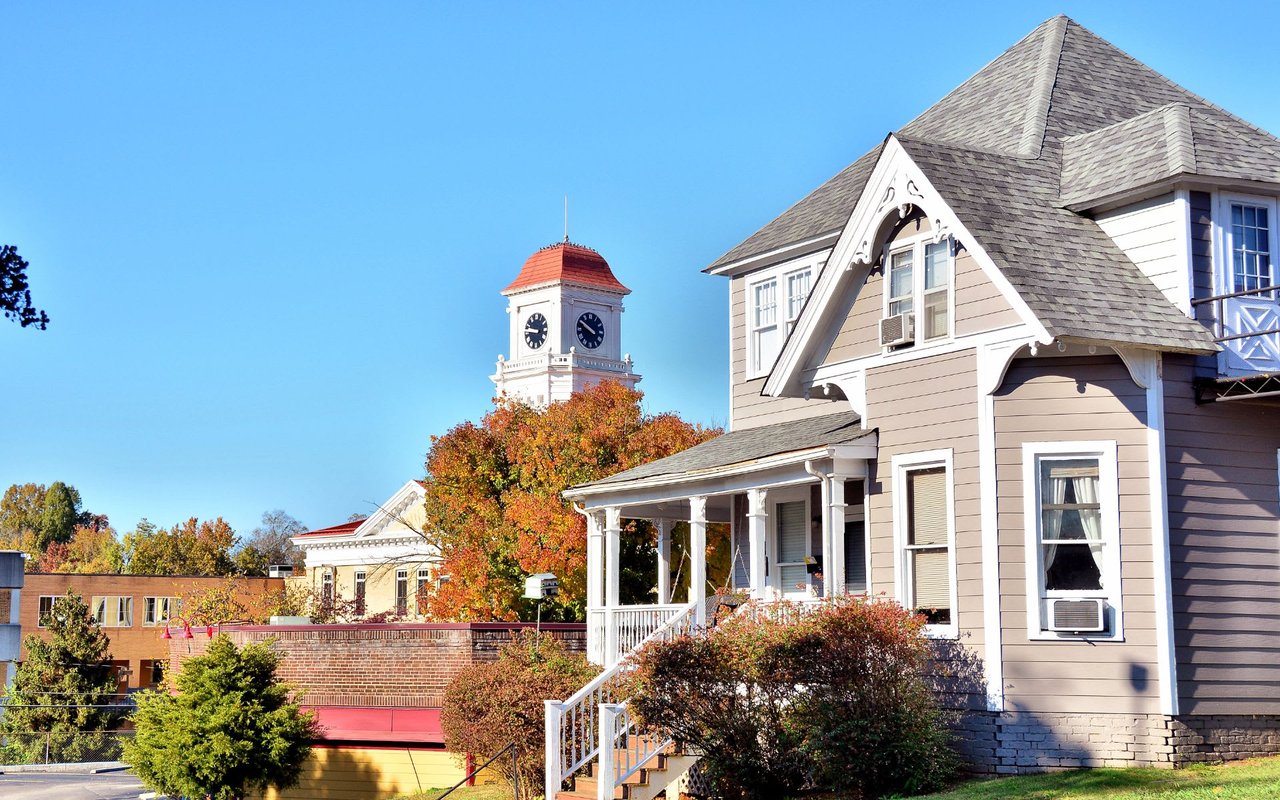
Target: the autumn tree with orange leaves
pixel 493 498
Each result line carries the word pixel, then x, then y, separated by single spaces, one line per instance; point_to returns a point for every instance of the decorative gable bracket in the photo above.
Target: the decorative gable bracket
pixel 895 187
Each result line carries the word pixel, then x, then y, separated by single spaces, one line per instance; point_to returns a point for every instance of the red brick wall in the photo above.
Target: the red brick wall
pixel 138 645
pixel 405 665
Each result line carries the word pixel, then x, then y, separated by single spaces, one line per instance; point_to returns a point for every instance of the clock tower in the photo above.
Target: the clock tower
pixel 565 314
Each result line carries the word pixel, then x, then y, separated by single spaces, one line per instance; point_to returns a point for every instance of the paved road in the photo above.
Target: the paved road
pixel 64 786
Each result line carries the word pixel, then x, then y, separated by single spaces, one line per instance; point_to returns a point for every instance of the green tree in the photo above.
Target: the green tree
pixel 191 548
pixel 59 515
pixel 60 690
pixel 15 291
pixel 230 727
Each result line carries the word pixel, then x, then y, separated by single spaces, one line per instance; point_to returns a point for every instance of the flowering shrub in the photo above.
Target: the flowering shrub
pixel 488 706
pixel 836 698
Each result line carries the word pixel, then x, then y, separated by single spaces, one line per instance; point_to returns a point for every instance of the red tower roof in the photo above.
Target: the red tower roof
pixel 567 262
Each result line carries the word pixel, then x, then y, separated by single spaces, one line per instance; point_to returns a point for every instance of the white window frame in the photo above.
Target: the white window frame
pixel 359 590
pixel 917 245
pixel 402 578
pixel 1109 500
pixel 423 579
pixel 786 310
pixel 902 465
pixel 157 611
pixel 112 610
pixel 1225 277
pixel 776 498
pixel 52 598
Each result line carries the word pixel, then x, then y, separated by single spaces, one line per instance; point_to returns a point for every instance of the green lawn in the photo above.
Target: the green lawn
pixel 467 793
pixel 1258 779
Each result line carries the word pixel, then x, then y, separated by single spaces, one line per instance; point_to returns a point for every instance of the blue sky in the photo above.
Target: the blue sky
pixel 271 237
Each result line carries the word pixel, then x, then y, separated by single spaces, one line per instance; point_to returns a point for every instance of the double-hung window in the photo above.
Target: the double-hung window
pixel 765 338
pixel 792 525
pixel 326 589
pixel 402 592
pixel 420 592
pixel 924 528
pixel 774 301
pixel 919 283
pixel 360 578
pixel 1071 517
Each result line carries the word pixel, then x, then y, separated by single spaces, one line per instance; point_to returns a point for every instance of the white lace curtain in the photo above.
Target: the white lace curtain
pixel 1083 482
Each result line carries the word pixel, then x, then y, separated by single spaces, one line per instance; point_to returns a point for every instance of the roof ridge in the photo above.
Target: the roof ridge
pixel 1055 20
pixel 1180 142
pixel 1209 120
pixel 1170 82
pixel 1037 116
pixel 1126 121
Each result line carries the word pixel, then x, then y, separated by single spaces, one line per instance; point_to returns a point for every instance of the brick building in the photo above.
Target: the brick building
pixel 378 691
pixel 133 611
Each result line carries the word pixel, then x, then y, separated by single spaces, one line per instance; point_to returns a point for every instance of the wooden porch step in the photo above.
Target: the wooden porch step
pixel 669 764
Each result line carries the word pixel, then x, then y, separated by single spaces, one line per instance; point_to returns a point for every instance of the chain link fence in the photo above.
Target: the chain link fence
pixel 62 747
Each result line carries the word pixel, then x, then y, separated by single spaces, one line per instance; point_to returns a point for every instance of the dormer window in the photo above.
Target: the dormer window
pixel 774 301
pixel 918 293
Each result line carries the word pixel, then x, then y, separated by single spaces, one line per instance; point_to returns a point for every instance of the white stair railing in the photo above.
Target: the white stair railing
pixel 572 728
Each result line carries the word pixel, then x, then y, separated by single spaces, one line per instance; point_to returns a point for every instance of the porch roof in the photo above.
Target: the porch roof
pixel 742 448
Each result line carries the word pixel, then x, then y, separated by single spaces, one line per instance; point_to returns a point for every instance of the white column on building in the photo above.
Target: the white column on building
pixel 757 523
pixel 834 569
pixel 663 528
pixel 828 534
pixel 698 556
pixel 595 560
pixel 612 573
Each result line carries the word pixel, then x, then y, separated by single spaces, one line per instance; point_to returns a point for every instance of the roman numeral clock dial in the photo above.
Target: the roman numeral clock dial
pixel 535 331
pixel 590 330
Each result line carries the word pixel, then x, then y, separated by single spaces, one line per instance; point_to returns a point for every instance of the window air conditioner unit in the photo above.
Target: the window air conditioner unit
pixel 1077 616
pixel 898 329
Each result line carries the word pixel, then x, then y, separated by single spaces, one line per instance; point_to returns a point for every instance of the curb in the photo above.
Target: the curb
pixel 83 768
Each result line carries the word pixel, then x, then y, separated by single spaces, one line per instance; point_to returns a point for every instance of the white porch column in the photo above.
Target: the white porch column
pixel 612 547
pixel 595 588
pixel 834 569
pixel 698 557
pixel 595 560
pixel 828 535
pixel 757 522
pixel 663 528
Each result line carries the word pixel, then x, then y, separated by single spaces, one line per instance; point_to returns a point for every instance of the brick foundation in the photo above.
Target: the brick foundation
pixel 1016 743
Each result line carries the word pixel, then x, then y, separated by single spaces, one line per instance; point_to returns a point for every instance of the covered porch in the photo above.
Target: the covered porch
pixel 792 497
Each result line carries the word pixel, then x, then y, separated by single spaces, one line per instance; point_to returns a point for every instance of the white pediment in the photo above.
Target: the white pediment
pixel 896 187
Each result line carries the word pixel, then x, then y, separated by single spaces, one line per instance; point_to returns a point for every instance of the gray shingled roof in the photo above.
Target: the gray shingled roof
pixel 1060 89
pixel 746 446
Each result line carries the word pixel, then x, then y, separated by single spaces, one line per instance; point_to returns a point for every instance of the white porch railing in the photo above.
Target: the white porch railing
pixel 575 728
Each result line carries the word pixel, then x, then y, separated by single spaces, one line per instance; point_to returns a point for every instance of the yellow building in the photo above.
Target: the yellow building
pixel 384 564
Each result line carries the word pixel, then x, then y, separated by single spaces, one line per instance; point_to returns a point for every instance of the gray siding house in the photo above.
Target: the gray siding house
pixel 1017 367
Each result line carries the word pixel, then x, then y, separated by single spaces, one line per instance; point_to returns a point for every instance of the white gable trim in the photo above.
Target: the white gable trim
pixel 896 184
pixel 390 511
